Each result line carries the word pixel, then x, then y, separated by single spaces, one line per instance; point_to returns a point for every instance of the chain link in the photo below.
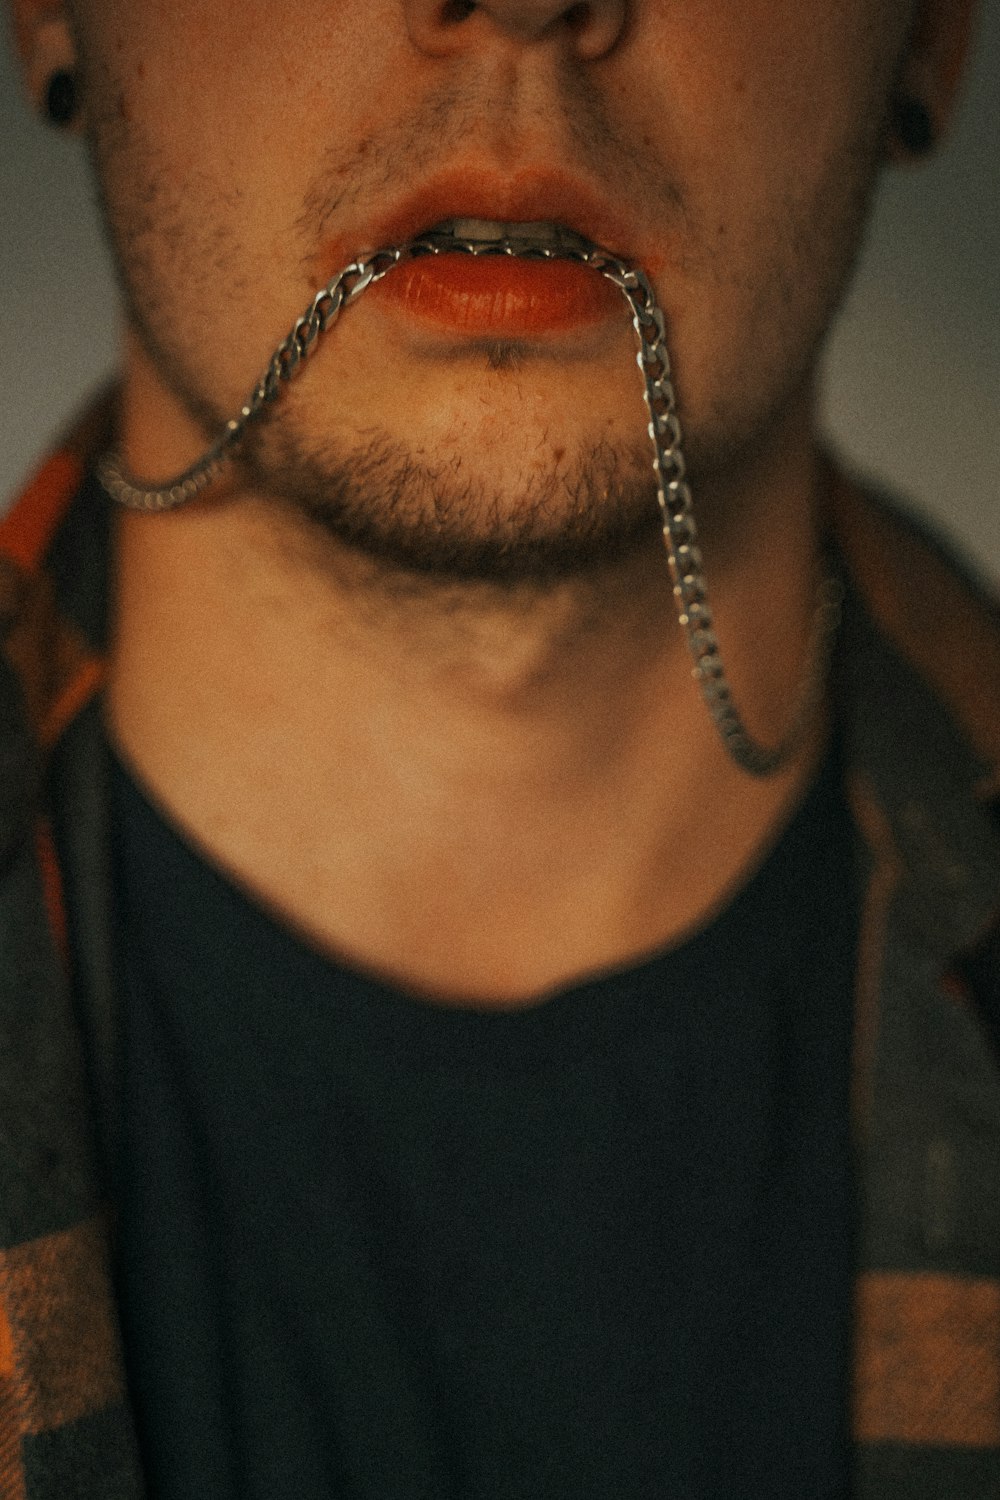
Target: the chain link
pixel 672 491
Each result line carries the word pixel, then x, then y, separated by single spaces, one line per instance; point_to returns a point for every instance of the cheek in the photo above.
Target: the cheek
pixel 206 162
pixel 757 98
pixel 226 87
pixel 769 126
pixel 264 102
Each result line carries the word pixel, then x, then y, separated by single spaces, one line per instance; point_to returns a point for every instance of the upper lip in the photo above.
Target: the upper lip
pixel 525 197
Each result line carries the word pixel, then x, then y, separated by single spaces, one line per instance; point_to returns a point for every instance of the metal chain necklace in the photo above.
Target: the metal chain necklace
pixel 672 490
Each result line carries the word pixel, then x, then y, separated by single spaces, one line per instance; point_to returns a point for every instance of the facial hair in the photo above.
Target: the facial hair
pixel 436 519
pixel 439 516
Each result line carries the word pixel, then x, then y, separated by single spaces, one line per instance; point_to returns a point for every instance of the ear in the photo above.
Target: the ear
pixel 45 44
pixel 935 58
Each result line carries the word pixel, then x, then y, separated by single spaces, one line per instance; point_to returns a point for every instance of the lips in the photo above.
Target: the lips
pixel 526 198
pixel 499 296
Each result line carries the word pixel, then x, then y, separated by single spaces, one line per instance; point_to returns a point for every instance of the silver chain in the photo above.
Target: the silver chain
pixel 672 490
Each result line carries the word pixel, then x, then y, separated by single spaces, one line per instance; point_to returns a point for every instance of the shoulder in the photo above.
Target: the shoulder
pixel 931 605
pixel 49 663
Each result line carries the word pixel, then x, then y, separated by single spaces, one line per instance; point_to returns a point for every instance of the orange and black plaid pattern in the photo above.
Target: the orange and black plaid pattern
pixel 61 1370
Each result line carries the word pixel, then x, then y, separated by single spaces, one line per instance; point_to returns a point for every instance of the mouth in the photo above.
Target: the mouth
pixel 544 238
pixel 503 253
pixel 513 279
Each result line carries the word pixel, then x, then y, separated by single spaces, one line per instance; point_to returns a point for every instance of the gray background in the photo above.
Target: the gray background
pixel 912 385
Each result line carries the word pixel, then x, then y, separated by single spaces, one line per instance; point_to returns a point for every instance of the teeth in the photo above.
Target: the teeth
pixel 473 229
pixel 488 231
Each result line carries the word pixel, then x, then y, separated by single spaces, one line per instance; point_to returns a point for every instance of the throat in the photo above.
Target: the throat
pixel 480 792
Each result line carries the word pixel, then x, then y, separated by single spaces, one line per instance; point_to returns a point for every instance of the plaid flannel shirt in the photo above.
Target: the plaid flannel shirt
pixel 917 685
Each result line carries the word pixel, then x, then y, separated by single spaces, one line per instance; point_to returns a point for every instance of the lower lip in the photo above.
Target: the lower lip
pixel 500 295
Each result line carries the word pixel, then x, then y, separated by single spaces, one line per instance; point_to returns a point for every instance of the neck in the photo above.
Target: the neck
pixel 479 792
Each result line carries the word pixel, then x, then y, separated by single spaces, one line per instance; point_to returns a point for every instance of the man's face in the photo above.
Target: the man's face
pixel 247 151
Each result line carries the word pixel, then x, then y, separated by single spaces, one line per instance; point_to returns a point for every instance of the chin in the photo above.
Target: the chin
pixel 382 502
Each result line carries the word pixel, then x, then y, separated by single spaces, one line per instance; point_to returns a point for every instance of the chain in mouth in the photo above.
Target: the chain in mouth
pixel 546 240
pixel 543 237
pixel 530 239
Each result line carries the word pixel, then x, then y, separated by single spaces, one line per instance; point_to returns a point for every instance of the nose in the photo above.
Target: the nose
pixel 590 27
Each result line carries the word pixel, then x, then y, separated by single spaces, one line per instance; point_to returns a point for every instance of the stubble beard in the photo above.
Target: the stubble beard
pixel 449 520
pixel 374 493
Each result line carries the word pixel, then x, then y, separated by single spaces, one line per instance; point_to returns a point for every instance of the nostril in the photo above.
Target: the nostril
pixel 592 26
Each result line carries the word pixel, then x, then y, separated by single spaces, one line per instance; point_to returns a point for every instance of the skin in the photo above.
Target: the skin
pixel 410 674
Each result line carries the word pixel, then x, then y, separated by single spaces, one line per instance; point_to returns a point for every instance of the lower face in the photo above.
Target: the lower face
pixel 483 422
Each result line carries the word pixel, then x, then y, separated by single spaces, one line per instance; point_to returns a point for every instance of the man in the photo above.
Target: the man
pixel 513 1070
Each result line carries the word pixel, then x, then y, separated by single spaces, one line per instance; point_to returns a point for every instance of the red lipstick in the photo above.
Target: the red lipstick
pixel 496 296
pixel 500 296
